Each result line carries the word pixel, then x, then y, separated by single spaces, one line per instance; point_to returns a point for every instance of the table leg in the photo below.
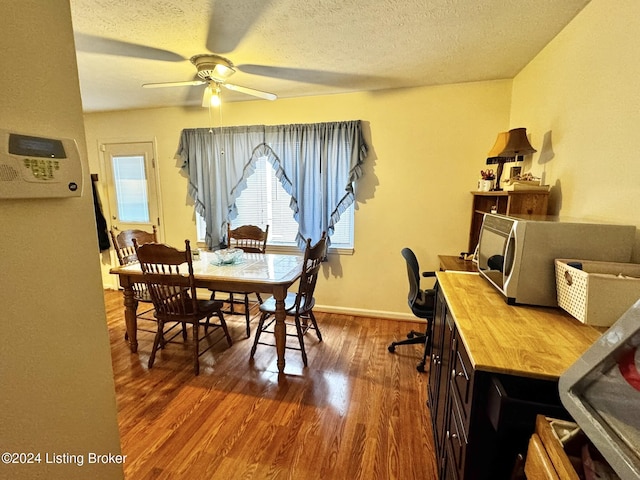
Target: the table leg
pixel 280 329
pixel 130 306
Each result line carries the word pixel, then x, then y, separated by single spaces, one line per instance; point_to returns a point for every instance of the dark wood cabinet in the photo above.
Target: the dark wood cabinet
pixel 438 387
pixel 517 202
pixel 488 377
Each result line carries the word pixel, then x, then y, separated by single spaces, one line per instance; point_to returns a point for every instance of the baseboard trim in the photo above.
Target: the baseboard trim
pixel 359 312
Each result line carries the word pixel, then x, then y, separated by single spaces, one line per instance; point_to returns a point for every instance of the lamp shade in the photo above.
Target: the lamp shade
pixel 517 143
pixel 509 146
pixel 495 154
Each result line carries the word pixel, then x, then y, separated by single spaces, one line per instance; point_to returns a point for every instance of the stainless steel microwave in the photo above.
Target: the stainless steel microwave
pixel 516 254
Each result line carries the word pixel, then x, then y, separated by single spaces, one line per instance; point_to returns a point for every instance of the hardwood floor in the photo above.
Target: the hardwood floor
pixel 356 412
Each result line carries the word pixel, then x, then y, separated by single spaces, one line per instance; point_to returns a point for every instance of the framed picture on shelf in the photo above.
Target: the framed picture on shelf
pixel 515 171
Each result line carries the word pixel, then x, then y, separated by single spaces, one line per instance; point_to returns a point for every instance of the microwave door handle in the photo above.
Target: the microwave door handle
pixel 509 255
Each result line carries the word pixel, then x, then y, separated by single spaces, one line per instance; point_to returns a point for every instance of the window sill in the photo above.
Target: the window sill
pixel 290 249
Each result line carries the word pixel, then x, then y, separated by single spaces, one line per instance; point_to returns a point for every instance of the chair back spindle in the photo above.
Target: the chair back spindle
pixel 250 238
pixel 169 280
pixel 123 243
pixel 313 257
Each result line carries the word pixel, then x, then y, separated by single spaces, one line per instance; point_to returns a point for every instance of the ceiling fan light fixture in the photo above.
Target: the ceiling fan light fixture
pixel 215 99
pixel 222 72
pixel 214 70
pixel 213 67
pixel 211 96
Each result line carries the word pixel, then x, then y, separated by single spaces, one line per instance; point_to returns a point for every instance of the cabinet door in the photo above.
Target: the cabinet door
pixel 528 204
pixel 538 465
pixel 443 380
pixel 456 439
pixel 462 376
pixel 436 352
pixel 449 472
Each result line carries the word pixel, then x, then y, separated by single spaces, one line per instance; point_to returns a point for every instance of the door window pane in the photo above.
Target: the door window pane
pixel 130 181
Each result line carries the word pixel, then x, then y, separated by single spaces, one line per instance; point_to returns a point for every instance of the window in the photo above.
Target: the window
pixel 264 201
pixel 130 181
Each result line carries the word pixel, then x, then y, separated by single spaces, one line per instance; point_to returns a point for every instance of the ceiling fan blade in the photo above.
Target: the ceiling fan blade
pixel 230 22
pixel 86 42
pixel 173 84
pixel 250 91
pixel 304 75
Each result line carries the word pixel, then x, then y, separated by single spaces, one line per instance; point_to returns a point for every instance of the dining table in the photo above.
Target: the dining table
pixel 270 273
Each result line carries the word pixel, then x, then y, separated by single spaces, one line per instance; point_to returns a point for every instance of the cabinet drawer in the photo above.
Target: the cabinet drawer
pixel 548 432
pixel 462 380
pixel 456 440
pixel 514 402
pixel 538 465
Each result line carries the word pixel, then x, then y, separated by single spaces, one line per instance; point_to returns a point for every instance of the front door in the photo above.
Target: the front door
pixel 131 186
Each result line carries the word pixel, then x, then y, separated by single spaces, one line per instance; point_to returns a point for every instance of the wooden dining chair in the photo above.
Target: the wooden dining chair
pixel 251 239
pixel 123 243
pixel 171 286
pixel 126 253
pixel 297 305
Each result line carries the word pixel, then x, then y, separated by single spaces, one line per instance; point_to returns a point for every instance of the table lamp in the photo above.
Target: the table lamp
pixel 510 146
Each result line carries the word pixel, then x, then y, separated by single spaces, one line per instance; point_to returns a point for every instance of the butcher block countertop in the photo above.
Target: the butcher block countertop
pixel 537 342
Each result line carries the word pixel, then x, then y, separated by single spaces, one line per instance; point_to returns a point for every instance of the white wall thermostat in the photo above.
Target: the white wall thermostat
pixel 39 167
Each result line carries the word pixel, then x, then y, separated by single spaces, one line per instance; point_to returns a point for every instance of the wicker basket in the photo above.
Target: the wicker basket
pixel 597 293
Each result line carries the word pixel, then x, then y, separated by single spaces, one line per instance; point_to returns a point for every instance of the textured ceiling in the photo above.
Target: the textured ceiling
pixel 303 47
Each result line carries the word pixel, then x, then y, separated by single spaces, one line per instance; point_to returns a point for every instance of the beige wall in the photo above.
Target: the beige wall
pixel 427 146
pixel 57 391
pixel 580 101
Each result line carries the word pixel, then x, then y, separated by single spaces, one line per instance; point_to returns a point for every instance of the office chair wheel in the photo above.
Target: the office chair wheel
pixel 392 348
pixel 420 367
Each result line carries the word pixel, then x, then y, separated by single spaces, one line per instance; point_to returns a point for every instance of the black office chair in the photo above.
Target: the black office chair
pixel 422 304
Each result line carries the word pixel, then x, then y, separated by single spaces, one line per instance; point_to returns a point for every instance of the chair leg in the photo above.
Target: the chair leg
pixel 247 314
pixel 301 340
pixel 156 343
pixel 421 366
pixel 409 341
pixel 184 331
pixel 315 325
pixel 263 317
pixel 196 347
pixel 427 346
pixel 224 327
pixel 231 304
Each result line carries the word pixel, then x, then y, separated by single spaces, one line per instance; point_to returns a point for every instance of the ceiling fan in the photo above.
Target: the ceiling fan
pixel 233 19
pixel 213 70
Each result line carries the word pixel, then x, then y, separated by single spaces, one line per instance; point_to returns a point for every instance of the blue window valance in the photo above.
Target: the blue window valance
pixel 317 164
